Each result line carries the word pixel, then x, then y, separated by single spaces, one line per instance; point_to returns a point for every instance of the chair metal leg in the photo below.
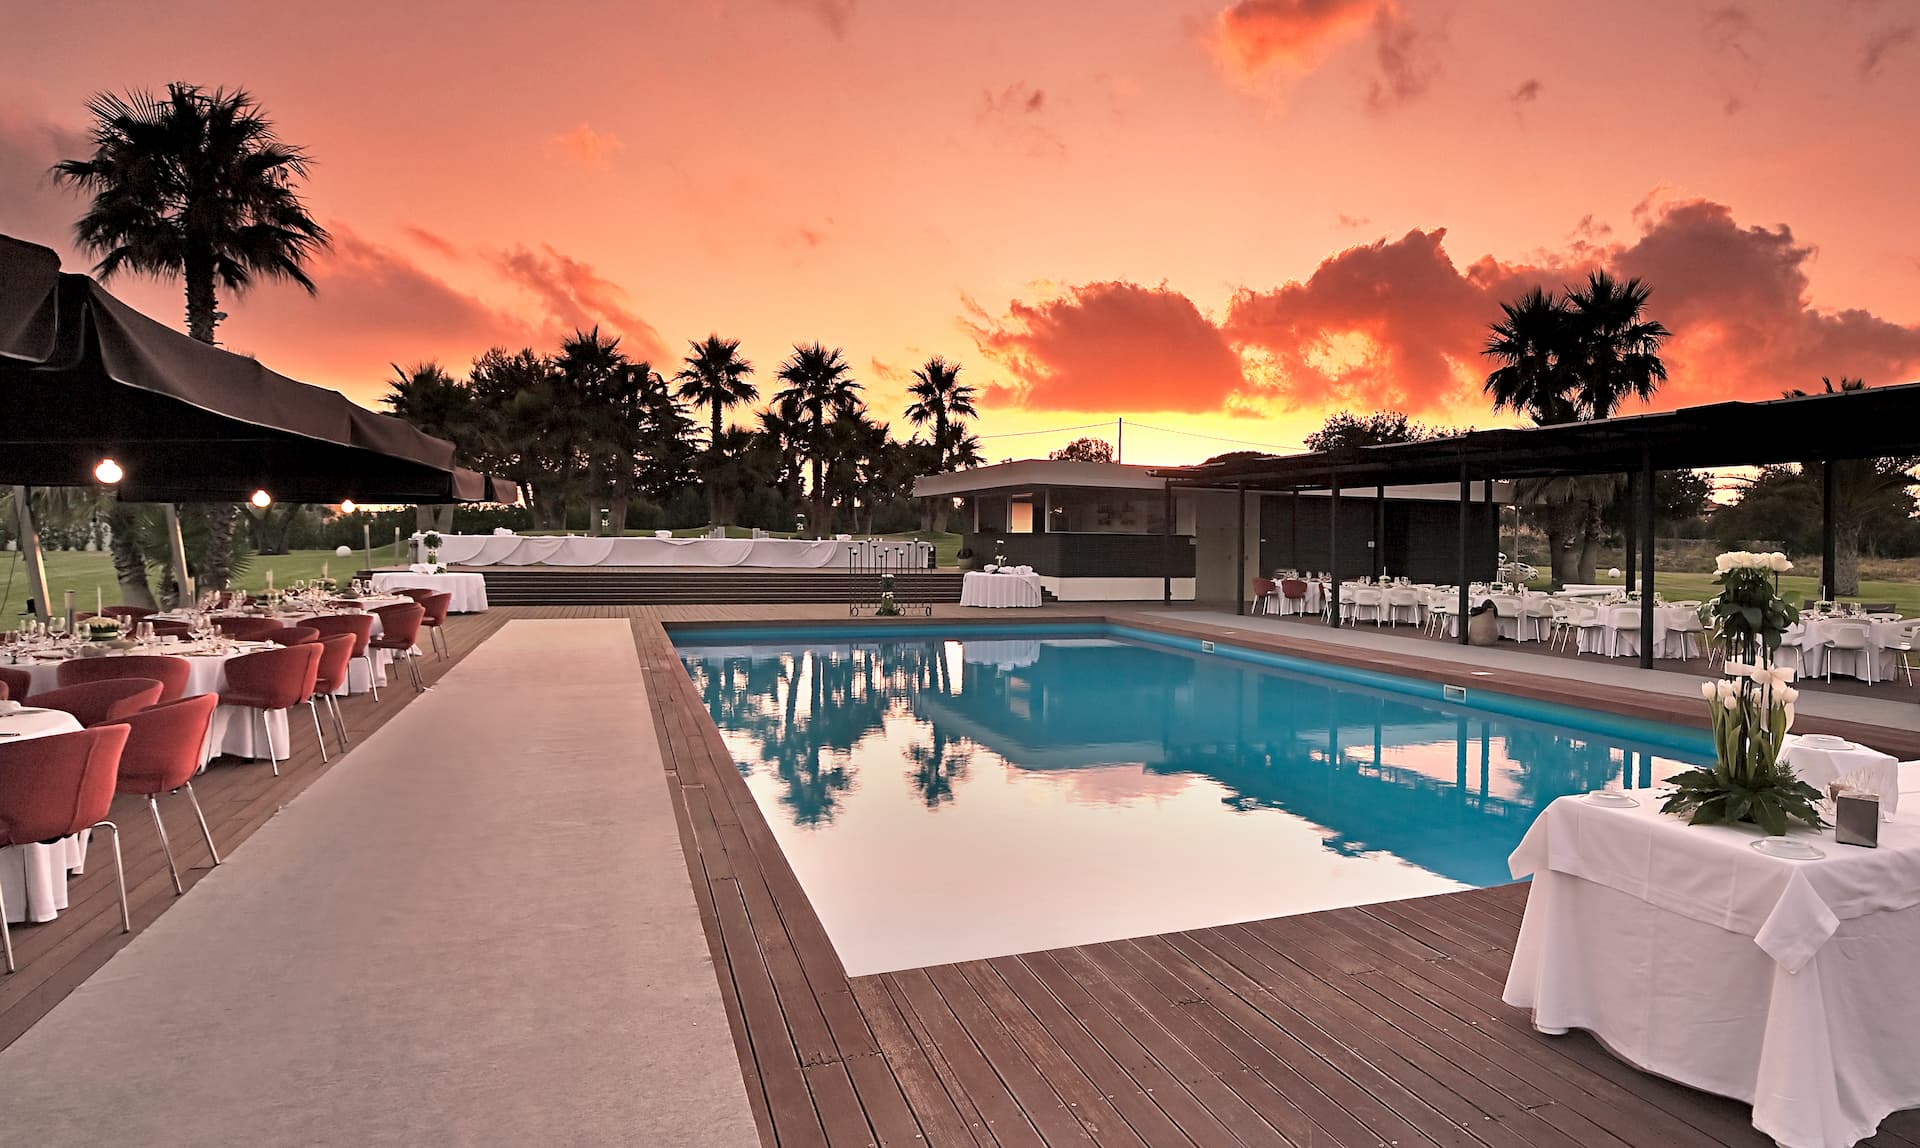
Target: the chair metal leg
pixel 413 664
pixel 166 846
pixel 317 735
pixel 119 873
pixel 266 731
pixel 440 643
pixel 339 724
pixel 194 799
pixel 6 934
pixel 373 681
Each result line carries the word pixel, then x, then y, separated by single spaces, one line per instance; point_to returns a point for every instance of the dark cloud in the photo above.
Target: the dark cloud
pixel 1017 113
pixel 432 241
pixel 1109 346
pixel 1728 28
pixel 577 297
pixel 837 15
pixel 1883 43
pixel 1255 37
pixel 1527 92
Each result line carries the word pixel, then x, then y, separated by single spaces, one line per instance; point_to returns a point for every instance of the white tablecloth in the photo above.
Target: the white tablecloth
pixel 469 590
pixel 1819 764
pixel 550 550
pixel 1781 983
pixel 1880 635
pixel 1000 590
pixel 34 877
pixel 234 729
pixel 1676 632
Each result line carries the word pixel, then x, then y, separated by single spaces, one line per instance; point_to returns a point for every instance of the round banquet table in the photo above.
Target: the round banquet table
pixel 1813 651
pixel 34 877
pixel 1618 636
pixel 234 729
pixel 469 590
pixel 1000 591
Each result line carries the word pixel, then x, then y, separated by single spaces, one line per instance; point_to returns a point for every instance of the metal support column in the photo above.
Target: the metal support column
pixel 30 553
pixel 1466 544
pixel 1630 534
pixel 1829 549
pixel 1333 549
pixel 1379 530
pixel 1240 550
pixel 1166 549
pixel 1644 511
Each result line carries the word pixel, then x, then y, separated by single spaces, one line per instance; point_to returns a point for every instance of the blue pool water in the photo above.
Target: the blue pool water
pixel 949 796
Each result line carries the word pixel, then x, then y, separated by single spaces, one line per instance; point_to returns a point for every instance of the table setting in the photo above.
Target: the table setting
pixel 1746 927
pixel 1001 587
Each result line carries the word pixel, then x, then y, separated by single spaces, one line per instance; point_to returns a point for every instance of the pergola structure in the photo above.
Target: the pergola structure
pixel 1822 428
pixel 84 378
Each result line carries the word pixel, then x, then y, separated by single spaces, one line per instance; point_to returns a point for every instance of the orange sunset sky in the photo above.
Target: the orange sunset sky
pixel 1227 220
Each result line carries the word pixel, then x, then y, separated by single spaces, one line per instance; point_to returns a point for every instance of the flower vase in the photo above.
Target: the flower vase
pixel 433 558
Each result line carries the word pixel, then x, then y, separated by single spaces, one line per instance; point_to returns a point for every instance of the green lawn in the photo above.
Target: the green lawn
pixel 84 571
pixel 1904 595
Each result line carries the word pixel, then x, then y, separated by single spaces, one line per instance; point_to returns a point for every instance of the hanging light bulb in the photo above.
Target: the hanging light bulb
pixel 347 506
pixel 261 499
pixel 108 471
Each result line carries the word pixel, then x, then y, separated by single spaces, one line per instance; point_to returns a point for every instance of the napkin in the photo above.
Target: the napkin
pixel 8 707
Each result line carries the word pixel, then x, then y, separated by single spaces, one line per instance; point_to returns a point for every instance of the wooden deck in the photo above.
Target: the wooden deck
pixel 1363 1026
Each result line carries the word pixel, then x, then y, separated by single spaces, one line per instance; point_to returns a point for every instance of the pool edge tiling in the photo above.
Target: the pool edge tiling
pixel 949 795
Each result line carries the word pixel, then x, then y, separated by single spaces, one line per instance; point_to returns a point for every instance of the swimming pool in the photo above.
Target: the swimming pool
pixel 950 795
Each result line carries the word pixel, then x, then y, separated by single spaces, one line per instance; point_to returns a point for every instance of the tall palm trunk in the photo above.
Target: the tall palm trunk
pixel 203 315
pixel 129 566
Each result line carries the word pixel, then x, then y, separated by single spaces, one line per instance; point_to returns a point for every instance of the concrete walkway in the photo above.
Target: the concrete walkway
pixel 477 930
pixel 1623 672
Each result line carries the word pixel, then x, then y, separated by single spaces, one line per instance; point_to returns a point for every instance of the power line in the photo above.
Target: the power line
pixel 1054 430
pixel 1214 437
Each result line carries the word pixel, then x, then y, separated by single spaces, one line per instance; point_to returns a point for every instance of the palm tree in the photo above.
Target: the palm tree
pixel 715 376
pixel 1533 347
pixel 1569 359
pixel 1617 348
pixel 429 398
pixel 942 399
pixel 819 388
pixel 194 185
pixel 594 371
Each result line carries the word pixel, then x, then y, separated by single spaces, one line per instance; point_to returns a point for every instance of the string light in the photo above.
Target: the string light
pixel 261 499
pixel 347 506
pixel 108 471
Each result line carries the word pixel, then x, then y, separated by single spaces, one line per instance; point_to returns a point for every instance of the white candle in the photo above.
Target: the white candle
pixel 99 599
pixel 269 578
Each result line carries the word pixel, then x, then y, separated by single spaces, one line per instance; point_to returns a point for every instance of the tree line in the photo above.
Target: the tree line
pixel 587 431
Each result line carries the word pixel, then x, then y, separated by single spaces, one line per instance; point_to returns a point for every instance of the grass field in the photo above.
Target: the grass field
pixel 85 571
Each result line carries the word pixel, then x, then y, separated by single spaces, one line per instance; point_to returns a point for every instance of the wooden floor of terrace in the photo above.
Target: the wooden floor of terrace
pixel 1365 1026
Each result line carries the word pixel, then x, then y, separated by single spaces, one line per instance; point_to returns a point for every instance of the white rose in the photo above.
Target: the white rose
pixel 1720 564
pixel 1779 563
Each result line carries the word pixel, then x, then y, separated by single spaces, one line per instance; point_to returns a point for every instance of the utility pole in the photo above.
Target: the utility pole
pixel 1119 439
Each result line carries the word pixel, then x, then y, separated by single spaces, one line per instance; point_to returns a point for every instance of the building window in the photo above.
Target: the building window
pixel 1106 511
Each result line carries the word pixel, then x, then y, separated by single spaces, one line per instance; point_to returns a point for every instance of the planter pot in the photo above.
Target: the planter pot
pixel 968 563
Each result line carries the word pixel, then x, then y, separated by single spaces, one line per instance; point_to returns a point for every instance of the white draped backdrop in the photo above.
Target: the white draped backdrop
pixel 563 550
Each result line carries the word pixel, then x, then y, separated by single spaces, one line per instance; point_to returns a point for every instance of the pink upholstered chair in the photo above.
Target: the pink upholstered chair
pixel 96 703
pixel 242 628
pixel 436 606
pixel 360 626
pixel 171 673
pixel 292 635
pixel 57 786
pixel 162 755
pixel 18 683
pixel 330 677
pixel 273 680
pixel 399 630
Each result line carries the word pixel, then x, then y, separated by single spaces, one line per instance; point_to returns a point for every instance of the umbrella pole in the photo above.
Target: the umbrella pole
pixel 30 552
pixel 177 549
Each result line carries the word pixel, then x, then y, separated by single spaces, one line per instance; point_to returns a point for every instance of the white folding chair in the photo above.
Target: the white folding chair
pixel 1854 639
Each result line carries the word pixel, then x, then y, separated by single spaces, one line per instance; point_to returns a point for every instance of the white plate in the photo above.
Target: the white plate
pixel 1611 799
pixel 1789 848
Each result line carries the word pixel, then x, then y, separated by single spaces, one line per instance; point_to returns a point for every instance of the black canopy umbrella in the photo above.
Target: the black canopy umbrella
pixel 85 377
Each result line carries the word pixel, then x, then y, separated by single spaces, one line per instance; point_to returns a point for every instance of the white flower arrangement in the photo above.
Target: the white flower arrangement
pixel 1773 562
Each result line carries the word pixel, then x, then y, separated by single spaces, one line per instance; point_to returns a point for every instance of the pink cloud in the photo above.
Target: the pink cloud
pixel 576 297
pixel 592 149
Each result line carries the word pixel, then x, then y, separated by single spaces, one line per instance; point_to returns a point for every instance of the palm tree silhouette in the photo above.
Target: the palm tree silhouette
pixel 197 185
pixel 820 388
pixel 1616 347
pixel 942 399
pixel 715 377
pixel 1533 347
